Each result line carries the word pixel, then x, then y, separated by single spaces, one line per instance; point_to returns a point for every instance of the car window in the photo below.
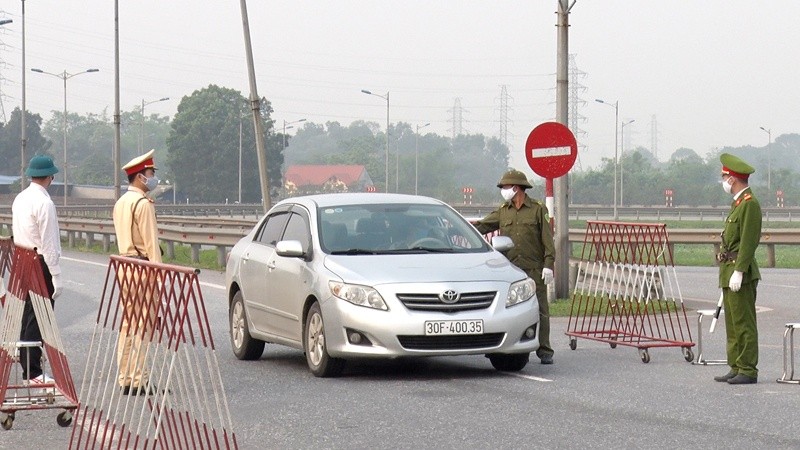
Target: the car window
pixel 272 228
pixel 297 230
pixel 381 228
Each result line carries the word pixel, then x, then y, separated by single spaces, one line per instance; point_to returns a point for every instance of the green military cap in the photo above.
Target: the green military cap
pixel 514 177
pixel 734 166
pixel 41 166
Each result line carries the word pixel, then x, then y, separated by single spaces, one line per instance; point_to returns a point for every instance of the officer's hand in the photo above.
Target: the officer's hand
pixel 57 286
pixel 736 281
pixel 547 275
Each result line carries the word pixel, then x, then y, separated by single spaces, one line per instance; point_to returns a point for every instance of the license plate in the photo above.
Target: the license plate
pixel 450 327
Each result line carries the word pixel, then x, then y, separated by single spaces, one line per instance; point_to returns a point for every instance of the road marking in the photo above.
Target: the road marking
pixel 530 377
pixel 202 283
pixel 212 285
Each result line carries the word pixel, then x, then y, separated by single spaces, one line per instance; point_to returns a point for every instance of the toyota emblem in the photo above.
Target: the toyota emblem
pixel 449 296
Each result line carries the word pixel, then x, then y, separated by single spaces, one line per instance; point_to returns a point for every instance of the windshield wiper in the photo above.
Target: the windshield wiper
pixel 420 250
pixel 354 251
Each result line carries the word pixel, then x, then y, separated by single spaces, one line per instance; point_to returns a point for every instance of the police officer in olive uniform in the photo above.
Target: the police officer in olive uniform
pixel 738 272
pixel 137 237
pixel 526 222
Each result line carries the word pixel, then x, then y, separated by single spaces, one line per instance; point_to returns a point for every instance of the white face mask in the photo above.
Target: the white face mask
pixel 508 194
pixel 727 186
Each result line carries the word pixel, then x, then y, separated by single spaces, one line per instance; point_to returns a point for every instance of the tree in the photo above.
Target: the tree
pixel 10 145
pixel 203 147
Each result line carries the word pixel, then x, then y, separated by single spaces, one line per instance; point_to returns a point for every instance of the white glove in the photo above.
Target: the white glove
pixel 736 281
pixel 57 286
pixel 547 275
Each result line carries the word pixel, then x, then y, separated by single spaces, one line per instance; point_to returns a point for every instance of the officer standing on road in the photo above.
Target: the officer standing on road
pixel 526 222
pixel 35 225
pixel 738 272
pixel 137 237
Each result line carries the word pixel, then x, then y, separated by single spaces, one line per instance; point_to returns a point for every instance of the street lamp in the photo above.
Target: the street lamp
pixel 385 97
pixel 416 159
pixel 614 105
pixel 622 161
pixel 23 132
pixel 289 127
pixel 769 159
pixel 65 76
pixel 141 124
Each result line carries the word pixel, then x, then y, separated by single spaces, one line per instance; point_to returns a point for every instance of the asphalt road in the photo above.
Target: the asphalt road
pixel 593 397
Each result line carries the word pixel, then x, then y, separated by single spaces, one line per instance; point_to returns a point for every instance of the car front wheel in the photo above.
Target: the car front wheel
pixel 319 362
pixel 513 362
pixel 244 346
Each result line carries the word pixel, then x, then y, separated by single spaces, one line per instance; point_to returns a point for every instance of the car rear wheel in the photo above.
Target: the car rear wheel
pixel 244 346
pixel 509 362
pixel 319 361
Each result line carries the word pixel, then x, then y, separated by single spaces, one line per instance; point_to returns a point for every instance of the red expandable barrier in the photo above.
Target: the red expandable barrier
pixel 627 291
pixel 152 377
pixel 27 284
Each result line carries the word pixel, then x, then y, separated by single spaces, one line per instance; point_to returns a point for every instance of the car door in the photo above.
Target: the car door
pixel 254 272
pixel 290 279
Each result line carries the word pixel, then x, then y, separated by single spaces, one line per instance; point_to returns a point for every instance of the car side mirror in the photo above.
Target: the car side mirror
pixel 502 243
pixel 292 249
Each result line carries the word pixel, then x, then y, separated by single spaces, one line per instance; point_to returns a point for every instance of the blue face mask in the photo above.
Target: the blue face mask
pixel 151 182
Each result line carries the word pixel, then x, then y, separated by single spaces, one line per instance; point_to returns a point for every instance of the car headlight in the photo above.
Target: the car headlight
pixel 521 291
pixel 358 295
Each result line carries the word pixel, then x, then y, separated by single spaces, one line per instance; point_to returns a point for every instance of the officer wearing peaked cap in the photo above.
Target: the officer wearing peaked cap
pixel 526 222
pixel 137 237
pixel 738 272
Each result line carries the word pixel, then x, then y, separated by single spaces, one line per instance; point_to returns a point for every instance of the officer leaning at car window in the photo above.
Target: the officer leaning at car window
pixel 738 272
pixel 526 222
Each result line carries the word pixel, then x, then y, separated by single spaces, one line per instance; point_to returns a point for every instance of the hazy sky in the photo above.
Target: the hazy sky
pixel 711 72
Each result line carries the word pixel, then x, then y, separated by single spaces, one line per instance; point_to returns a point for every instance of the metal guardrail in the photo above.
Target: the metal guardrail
pixel 223 233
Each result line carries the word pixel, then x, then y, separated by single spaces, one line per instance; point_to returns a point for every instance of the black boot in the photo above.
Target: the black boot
pixel 726 377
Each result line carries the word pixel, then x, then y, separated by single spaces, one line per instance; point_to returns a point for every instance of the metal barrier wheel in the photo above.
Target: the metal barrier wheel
pixel 8 422
pixel 64 419
pixel 645 355
pixel 573 344
pixel 688 354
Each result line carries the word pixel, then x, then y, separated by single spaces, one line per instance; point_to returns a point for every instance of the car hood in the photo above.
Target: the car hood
pixel 426 268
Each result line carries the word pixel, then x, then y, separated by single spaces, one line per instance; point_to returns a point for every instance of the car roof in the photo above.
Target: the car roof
pixel 358 198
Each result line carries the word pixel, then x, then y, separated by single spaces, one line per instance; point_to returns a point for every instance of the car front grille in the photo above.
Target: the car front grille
pixel 467 301
pixel 460 342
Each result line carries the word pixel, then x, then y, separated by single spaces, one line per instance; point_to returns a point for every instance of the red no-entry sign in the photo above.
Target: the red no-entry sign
pixel 551 150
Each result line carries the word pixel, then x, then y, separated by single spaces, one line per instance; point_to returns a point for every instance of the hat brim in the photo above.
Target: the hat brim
pixel 525 185
pixel 37 173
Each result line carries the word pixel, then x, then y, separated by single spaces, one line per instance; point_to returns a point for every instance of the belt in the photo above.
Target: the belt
pixel 727 256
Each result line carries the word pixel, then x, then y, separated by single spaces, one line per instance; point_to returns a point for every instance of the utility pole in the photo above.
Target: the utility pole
pixel 561 184
pixel 255 106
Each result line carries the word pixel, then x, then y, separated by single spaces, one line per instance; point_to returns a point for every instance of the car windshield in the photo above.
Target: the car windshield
pixel 396 228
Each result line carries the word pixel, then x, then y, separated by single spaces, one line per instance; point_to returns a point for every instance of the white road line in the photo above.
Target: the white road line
pixel 530 377
pixel 202 283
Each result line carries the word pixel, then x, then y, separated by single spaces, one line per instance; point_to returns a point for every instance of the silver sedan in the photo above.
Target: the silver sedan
pixel 344 276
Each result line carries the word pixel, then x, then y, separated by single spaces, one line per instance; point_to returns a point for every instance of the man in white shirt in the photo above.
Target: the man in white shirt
pixel 35 225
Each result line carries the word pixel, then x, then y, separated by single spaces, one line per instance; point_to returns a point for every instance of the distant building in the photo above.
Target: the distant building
pixel 312 179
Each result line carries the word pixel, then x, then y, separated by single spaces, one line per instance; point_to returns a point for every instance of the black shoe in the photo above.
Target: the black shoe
pixel 148 389
pixel 547 359
pixel 726 377
pixel 743 379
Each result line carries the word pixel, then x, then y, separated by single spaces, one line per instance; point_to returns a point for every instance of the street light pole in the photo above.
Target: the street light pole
pixel 416 159
pixel 65 76
pixel 23 138
pixel 769 159
pixel 622 162
pixel 141 124
pixel 289 127
pixel 385 97
pixel 614 105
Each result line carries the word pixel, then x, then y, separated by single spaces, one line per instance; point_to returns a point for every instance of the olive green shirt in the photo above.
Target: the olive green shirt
pixel 529 229
pixel 741 235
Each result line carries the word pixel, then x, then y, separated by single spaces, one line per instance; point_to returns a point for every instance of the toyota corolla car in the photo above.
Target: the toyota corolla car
pixel 346 276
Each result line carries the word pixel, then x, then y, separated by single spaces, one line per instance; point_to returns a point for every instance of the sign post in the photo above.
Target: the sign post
pixel 551 150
